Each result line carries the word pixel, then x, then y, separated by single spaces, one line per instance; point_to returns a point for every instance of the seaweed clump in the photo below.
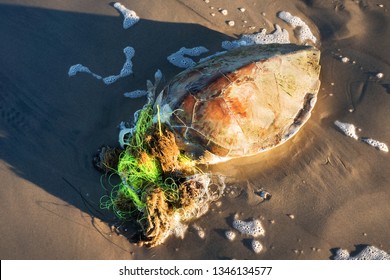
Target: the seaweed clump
pixel 160 187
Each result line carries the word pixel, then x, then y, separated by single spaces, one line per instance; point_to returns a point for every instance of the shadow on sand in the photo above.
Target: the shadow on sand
pixel 51 125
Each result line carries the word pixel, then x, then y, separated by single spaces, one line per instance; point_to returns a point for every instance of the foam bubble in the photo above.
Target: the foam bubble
pixel 157 77
pixel 127 68
pixel 229 45
pixel 257 247
pixel 79 68
pixel 136 93
pixel 376 144
pixel 130 17
pixel 350 130
pixel 279 36
pixel 303 31
pixel 379 75
pixel 110 79
pixel 207 194
pixel 178 58
pixel 367 253
pixel 252 228
pixel 230 235
pixel 347 128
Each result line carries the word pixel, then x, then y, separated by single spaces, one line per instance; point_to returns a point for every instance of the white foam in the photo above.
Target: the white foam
pixel 302 29
pixel 110 79
pixel 207 194
pixel 127 68
pixel 157 77
pixel 252 228
pixel 178 58
pixel 212 189
pixel 379 75
pixel 79 68
pixel 376 144
pixel 350 130
pixel 347 128
pixel 367 253
pixel 341 255
pixel 257 247
pixel 136 93
pixel 278 36
pixel 130 17
pixel 230 235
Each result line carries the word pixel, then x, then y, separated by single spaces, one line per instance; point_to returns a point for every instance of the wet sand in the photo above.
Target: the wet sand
pixel 51 125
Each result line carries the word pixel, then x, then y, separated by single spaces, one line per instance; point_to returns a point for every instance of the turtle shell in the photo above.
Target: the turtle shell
pixel 245 101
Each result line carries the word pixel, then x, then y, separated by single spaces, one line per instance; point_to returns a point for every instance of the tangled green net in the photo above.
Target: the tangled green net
pixel 151 169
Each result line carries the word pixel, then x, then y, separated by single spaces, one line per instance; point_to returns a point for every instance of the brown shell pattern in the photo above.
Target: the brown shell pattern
pixel 245 101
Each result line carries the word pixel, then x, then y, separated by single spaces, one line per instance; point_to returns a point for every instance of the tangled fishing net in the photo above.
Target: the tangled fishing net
pixel 160 187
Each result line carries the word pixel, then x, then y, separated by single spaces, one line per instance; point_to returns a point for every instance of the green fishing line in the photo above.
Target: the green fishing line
pixel 141 173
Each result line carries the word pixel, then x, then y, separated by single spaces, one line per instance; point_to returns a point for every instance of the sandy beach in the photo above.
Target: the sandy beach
pixel 328 190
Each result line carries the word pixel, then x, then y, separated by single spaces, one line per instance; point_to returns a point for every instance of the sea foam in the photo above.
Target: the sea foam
pixel 376 144
pixel 230 235
pixel 350 130
pixel 302 29
pixel 136 93
pixel 257 247
pixel 278 36
pixel 178 58
pixel 79 68
pixel 126 70
pixel 367 253
pixel 347 128
pixel 129 16
pixel 252 228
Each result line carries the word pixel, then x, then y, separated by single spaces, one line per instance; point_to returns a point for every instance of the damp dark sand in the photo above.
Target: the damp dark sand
pixel 328 190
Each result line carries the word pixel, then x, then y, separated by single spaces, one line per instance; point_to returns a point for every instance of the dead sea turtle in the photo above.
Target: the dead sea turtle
pixel 243 102
pixel 236 104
